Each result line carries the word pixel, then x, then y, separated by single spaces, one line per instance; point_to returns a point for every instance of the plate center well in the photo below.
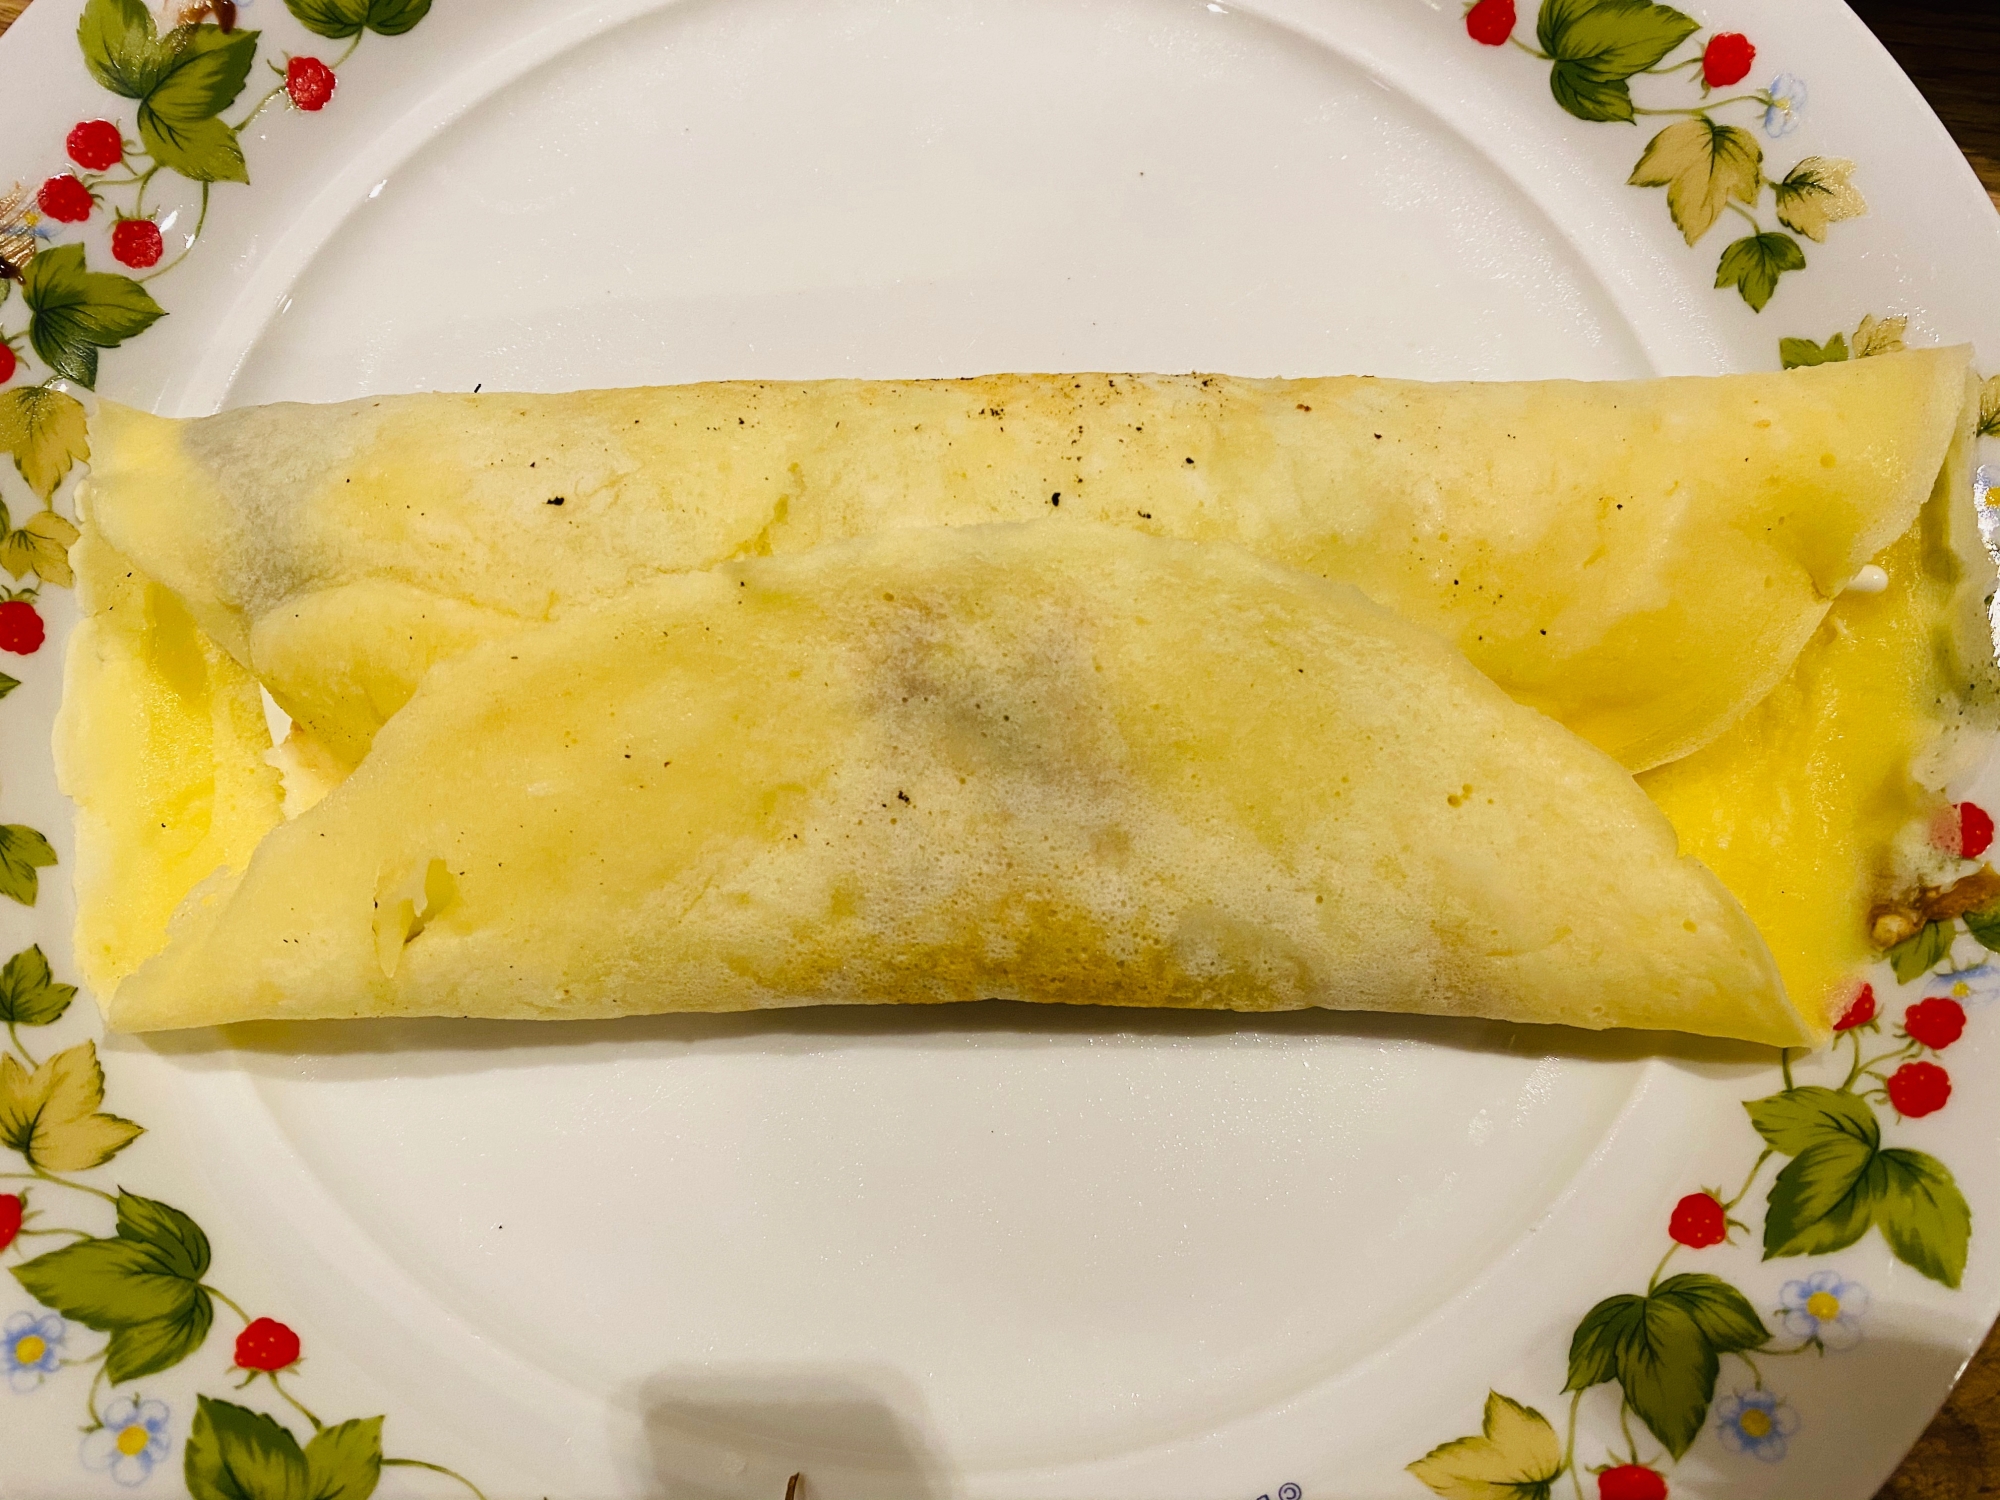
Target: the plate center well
pixel 1025 1236
pixel 1025 1233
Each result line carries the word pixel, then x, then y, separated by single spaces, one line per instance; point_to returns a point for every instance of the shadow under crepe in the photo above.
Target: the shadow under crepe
pixel 430 1047
pixel 740 1433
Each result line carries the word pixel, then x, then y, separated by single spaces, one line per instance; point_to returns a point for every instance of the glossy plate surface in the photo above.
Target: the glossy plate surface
pixel 997 1252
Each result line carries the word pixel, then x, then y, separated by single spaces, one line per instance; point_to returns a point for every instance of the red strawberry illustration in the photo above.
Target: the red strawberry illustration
pixel 1860 1010
pixel 96 145
pixel 1727 59
pixel 136 243
pixel 21 629
pixel 1937 1023
pixel 1975 830
pixel 267 1345
pixel 1918 1089
pixel 1491 22
pixel 310 83
pixel 1698 1221
pixel 64 199
pixel 1631 1482
pixel 10 1218
pixel 7 363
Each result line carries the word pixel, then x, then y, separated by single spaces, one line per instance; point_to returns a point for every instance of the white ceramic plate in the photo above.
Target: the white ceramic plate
pixel 998 1251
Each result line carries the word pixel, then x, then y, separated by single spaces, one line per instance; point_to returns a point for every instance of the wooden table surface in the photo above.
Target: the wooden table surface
pixel 1951 48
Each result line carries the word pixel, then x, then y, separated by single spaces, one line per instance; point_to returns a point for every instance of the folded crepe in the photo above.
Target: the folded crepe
pixel 1049 761
pixel 1815 807
pixel 1641 560
pixel 161 742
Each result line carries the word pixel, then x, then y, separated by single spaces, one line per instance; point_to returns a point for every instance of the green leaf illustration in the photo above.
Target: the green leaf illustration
pixel 150 1345
pixel 1794 353
pixel 1923 1215
pixel 77 311
pixel 182 82
pixel 1723 1314
pixel 1516 1456
pixel 46 431
pixel 176 1240
pixel 1593 1348
pixel 1668 1370
pixel 1702 165
pixel 1880 335
pixel 1663 1350
pixel 29 994
pixel 1589 98
pixel 122 47
pixel 1914 955
pixel 22 852
pixel 345 1462
pixel 394 17
pixel 234 1453
pixel 177 118
pixel 1989 416
pixel 8 684
pixel 103 1284
pixel 1616 38
pixel 1754 263
pixel 345 18
pixel 140 1349
pixel 1798 1118
pixel 1824 1200
pixel 330 18
pixel 1840 1180
pixel 143 1287
pixel 1598 44
pixel 51 1115
pixel 1815 193
pixel 208 72
pixel 202 150
pixel 40 547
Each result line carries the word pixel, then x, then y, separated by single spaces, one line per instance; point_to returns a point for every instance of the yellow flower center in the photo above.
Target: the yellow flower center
pixel 1823 1306
pixel 1756 1422
pixel 30 1349
pixel 132 1440
pixel 1961 991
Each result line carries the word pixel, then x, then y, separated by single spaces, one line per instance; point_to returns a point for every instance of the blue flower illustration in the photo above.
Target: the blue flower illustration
pixel 1825 1308
pixel 1788 102
pixel 1980 982
pixel 31 1349
pixel 132 1440
pixel 43 230
pixel 1755 1422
